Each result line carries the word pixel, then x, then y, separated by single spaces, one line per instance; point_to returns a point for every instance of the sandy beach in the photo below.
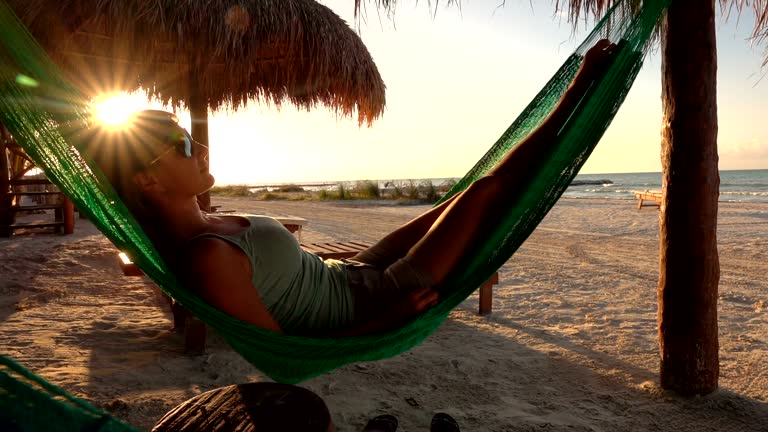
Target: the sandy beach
pixel 571 344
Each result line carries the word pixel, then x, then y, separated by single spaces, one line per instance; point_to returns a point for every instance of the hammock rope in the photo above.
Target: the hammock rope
pixel 40 109
pixel 29 403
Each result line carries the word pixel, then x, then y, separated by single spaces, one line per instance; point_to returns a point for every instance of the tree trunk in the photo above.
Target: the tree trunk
pixel 689 267
pixel 198 110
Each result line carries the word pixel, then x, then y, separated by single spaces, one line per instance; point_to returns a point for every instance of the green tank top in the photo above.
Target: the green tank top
pixel 300 290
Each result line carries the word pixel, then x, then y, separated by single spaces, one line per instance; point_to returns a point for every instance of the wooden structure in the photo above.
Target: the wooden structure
pixel 652 196
pixel 252 407
pixel 210 55
pixel 21 192
pixel 194 330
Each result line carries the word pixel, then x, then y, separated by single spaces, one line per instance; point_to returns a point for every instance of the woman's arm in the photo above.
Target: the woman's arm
pixel 220 274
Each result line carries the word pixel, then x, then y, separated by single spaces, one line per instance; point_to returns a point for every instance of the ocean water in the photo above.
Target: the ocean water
pixel 735 185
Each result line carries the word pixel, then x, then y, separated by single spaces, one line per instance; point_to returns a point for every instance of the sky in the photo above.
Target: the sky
pixel 456 78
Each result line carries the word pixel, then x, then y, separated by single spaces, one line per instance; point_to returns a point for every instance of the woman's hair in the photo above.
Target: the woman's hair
pixel 121 153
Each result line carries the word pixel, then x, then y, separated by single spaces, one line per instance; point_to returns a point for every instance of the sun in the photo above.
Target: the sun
pixel 113 110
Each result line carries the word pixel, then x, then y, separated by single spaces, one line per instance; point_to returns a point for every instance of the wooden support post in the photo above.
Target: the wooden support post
pixel 194 336
pixel 193 329
pixel 68 216
pixel 689 265
pixel 198 110
pixel 179 316
pixel 6 217
pixel 486 295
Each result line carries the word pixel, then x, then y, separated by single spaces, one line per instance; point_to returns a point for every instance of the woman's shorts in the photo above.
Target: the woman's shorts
pixel 371 285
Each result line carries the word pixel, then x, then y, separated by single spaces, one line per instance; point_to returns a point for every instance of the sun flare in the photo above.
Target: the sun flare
pixel 113 110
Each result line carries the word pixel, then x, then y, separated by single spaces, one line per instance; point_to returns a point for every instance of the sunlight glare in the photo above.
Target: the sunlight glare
pixel 114 110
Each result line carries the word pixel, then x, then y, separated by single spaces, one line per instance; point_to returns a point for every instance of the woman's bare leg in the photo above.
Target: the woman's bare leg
pixel 477 211
pixel 473 214
pixel 469 218
pixel 432 244
pixel 397 243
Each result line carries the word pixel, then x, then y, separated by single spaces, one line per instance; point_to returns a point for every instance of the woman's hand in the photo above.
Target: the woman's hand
pixel 414 303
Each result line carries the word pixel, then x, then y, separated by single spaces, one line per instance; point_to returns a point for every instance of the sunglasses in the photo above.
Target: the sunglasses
pixel 181 143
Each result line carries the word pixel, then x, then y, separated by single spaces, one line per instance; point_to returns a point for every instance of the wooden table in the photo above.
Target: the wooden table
pixel 291 223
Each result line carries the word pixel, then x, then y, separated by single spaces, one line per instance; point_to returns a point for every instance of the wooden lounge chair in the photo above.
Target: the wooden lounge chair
pixel 653 196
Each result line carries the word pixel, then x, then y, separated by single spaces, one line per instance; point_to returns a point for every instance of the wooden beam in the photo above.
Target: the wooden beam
pixel 198 110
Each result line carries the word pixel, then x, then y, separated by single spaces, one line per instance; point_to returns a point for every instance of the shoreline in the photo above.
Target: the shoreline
pixel 313 196
pixel 735 185
pixel 571 343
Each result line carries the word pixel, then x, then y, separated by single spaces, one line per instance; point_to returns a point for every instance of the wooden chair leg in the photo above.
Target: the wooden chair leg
pixel 486 294
pixel 193 329
pixel 179 315
pixel 194 336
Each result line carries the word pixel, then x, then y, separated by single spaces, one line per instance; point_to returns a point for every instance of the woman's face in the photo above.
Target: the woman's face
pixel 181 168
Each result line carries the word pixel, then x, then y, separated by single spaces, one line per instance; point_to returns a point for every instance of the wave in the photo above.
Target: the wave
pixel 746 193
pixel 591 182
pixel 752 185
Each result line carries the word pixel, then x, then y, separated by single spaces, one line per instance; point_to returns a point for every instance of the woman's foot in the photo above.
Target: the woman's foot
pixel 382 423
pixel 442 422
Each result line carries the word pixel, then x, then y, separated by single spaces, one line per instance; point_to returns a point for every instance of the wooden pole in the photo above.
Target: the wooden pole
pixel 689 270
pixel 198 109
pixel 6 218
pixel 68 216
pixel 5 173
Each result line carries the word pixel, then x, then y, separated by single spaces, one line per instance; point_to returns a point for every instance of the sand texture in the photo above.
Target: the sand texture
pixel 571 344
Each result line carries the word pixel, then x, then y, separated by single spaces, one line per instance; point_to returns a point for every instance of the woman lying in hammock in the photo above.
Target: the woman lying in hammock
pixel 252 268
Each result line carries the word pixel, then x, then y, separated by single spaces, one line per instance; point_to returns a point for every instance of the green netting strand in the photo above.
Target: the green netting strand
pixel 40 124
pixel 28 403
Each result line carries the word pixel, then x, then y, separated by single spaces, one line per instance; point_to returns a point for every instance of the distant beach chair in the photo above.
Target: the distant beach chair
pixel 653 196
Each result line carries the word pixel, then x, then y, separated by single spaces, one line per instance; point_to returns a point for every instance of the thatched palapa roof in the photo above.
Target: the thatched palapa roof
pixel 227 51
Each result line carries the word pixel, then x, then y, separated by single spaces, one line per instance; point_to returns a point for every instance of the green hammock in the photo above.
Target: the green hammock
pixel 38 106
pixel 28 403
